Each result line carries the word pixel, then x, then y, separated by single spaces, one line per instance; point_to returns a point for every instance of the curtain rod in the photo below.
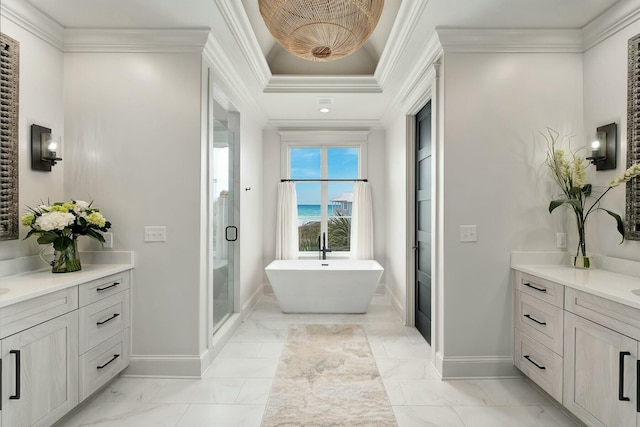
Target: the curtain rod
pixel 324 180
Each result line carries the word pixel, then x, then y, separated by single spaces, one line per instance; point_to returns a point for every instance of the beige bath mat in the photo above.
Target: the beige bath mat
pixel 327 376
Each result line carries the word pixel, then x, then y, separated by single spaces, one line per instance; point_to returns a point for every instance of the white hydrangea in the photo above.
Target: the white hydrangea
pixel 80 206
pixel 55 220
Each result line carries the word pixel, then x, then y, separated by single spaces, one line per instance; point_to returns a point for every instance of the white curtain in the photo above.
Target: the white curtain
pixel 362 222
pixel 287 222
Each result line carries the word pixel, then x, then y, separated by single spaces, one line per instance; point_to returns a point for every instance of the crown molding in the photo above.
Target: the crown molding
pixel 236 18
pixel 30 19
pixel 610 22
pixel 406 21
pixel 215 56
pixel 324 132
pixel 481 40
pixel 300 125
pixel 322 84
pixel 190 40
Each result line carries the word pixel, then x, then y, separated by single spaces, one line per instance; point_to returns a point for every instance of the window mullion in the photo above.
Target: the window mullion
pixel 324 190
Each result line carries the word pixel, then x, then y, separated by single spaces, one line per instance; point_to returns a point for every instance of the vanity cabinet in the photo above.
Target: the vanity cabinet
pixel 40 372
pixel 538 337
pixel 580 346
pixel 600 373
pixel 59 347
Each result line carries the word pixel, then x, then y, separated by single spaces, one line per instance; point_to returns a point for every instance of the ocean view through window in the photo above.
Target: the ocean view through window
pixel 324 207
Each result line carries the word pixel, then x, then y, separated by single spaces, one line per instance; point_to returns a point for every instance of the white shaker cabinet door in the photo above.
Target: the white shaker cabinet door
pixel 40 372
pixel 599 373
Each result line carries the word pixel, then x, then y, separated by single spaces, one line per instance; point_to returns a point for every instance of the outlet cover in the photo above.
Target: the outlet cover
pixel 468 233
pixel 561 240
pixel 108 240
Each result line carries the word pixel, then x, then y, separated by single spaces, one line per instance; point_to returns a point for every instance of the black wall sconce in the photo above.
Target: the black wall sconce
pixel 604 147
pixel 45 148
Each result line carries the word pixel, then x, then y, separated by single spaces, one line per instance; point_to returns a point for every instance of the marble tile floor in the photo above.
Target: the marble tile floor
pixel 235 388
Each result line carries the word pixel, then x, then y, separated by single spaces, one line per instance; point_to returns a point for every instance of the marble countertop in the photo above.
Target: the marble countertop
pixel 21 287
pixel 606 284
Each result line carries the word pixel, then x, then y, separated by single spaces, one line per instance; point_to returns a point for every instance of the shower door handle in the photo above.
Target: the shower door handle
pixel 235 233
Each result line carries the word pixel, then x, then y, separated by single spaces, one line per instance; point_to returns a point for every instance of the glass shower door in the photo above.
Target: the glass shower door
pixel 224 230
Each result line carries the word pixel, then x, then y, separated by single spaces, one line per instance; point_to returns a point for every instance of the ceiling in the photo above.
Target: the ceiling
pixel 300 106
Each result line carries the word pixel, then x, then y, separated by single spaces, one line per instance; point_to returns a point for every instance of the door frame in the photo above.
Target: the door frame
pixel 430 93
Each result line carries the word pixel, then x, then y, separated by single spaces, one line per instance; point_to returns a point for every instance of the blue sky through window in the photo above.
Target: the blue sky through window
pixel 305 164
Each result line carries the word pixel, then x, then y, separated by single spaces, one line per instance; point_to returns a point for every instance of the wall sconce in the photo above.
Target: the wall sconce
pixel 45 148
pixel 604 147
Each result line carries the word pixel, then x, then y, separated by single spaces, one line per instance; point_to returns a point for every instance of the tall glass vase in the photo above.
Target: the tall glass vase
pixel 581 260
pixel 66 260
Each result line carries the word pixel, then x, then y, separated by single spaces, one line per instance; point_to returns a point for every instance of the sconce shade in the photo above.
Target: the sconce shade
pixel 321 30
pixel 45 148
pixel 604 147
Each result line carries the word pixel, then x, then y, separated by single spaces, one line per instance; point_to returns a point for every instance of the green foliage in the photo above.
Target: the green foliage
pixel 339 232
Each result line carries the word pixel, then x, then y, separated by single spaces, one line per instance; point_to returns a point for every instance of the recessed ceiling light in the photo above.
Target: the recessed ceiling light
pixel 324 110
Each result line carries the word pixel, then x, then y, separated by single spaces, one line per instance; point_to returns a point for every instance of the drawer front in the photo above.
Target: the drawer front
pixel 98 289
pixel 540 320
pixel 613 315
pixel 103 362
pixel 542 365
pixel 103 319
pixel 542 289
pixel 23 315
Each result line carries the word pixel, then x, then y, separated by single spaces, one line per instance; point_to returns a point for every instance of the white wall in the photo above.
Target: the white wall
pixel 494 177
pixel 40 91
pixel 396 212
pixel 376 153
pixel 133 146
pixel 605 101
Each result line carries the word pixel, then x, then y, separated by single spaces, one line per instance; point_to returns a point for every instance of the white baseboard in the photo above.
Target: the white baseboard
pixel 251 302
pixel 471 367
pixel 397 306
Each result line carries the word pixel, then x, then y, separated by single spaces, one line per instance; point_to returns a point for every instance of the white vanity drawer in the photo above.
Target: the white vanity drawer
pixel 102 288
pixel 610 314
pixel 23 315
pixel 103 362
pixel 542 365
pixel 103 319
pixel 540 320
pixel 542 289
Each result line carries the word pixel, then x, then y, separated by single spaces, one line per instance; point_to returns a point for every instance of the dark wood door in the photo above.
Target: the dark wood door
pixel 423 205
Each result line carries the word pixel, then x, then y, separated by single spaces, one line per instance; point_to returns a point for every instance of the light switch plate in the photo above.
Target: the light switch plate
pixel 155 234
pixel 468 233
pixel 108 240
pixel 561 240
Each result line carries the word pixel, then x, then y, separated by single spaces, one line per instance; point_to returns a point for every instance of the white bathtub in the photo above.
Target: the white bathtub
pixel 324 286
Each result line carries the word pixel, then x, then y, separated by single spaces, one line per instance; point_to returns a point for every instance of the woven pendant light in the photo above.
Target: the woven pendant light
pixel 321 30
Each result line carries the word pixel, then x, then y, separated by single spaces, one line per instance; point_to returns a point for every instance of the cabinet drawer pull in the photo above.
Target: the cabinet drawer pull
pixel 115 356
pixel 17 395
pixel 108 320
pixel 531 360
pixel 535 287
pixel 107 287
pixel 621 396
pixel 535 320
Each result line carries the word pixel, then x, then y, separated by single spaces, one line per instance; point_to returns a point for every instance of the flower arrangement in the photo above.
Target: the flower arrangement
pixel 569 171
pixel 60 224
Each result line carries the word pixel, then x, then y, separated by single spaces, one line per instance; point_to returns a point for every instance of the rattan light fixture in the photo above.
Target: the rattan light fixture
pixel 321 30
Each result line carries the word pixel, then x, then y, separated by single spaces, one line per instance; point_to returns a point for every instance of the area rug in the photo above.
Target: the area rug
pixel 327 376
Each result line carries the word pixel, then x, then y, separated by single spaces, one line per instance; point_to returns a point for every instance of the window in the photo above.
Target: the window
pixel 324 207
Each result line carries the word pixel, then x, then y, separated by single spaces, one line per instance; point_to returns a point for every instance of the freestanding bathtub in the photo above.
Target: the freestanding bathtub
pixel 324 286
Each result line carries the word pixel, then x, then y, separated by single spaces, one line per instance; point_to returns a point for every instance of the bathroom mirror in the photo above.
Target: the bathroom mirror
pixel 9 77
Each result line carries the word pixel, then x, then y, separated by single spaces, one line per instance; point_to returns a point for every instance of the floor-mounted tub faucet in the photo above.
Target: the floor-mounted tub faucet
pixel 323 248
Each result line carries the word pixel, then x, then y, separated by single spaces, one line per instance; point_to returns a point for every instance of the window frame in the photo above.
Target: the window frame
pixel 324 141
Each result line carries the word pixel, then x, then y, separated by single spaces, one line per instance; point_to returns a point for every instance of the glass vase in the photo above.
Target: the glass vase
pixel 66 260
pixel 581 261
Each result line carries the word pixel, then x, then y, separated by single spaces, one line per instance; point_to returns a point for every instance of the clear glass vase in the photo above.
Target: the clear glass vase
pixel 66 260
pixel 581 261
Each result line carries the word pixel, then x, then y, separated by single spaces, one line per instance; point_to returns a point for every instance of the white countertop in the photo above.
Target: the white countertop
pixel 606 284
pixel 36 283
